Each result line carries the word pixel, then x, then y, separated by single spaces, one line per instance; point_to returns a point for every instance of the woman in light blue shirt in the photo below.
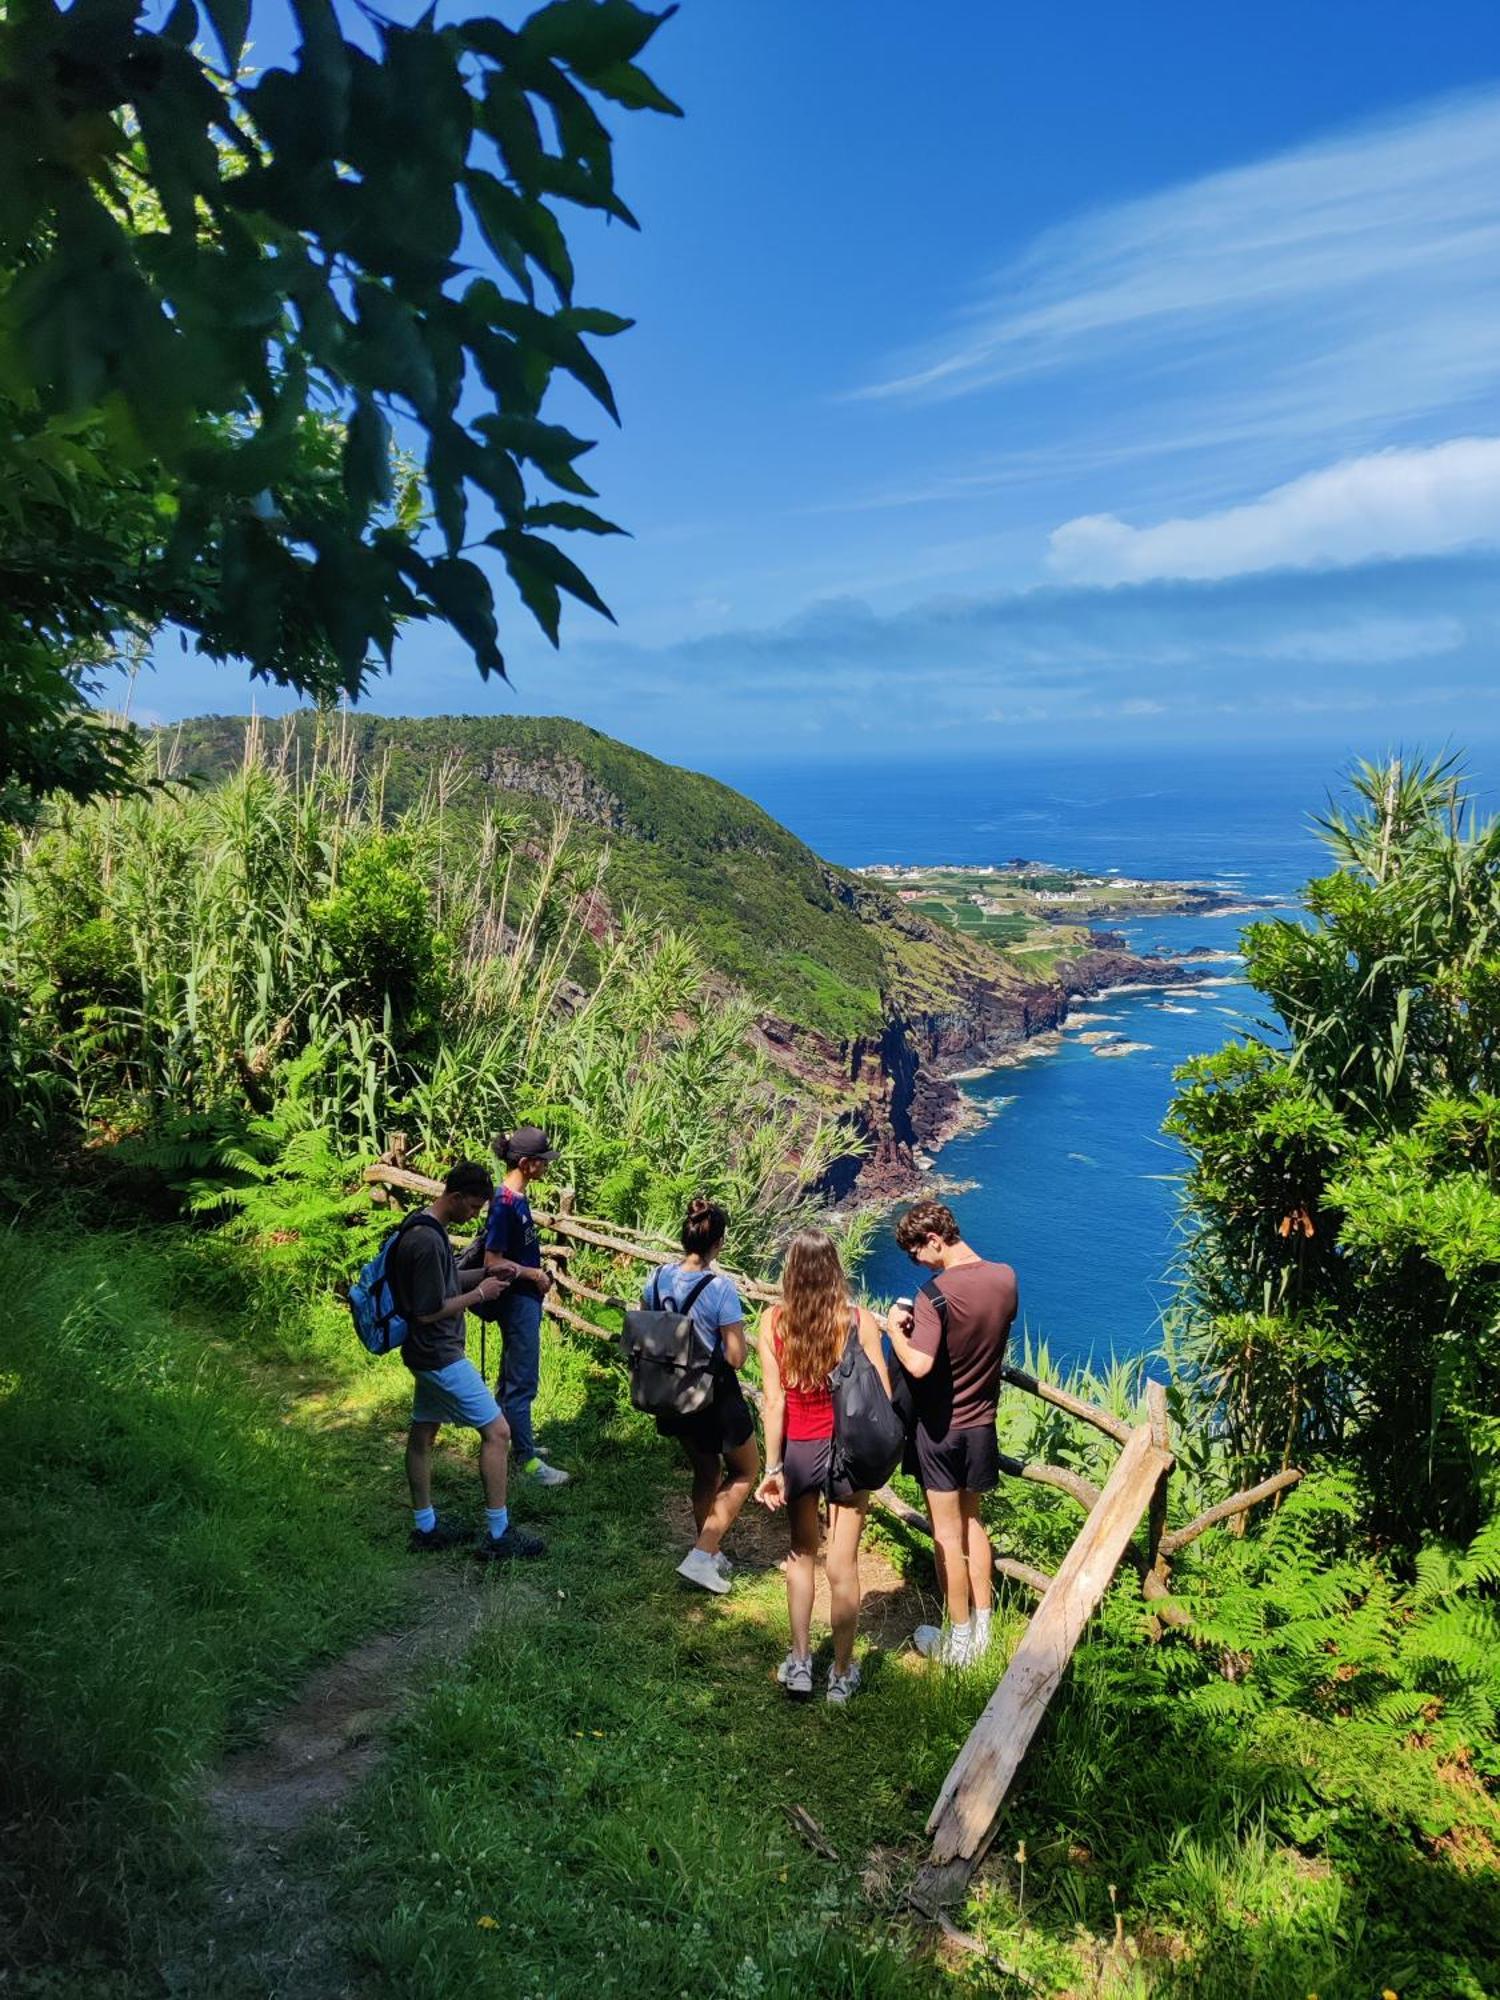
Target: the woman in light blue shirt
pixel 719 1439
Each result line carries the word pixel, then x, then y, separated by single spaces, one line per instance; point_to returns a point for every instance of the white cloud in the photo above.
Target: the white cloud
pixel 1393 503
pixel 1391 226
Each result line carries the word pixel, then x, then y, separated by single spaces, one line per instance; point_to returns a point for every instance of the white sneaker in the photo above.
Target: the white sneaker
pixel 957 1649
pixel 842 1686
pixel 981 1633
pixel 941 1642
pixel 723 1564
pixel 699 1567
pixel 545 1474
pixel 796 1676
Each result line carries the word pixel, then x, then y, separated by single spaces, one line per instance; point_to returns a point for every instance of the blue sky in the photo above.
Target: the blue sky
pixel 1013 379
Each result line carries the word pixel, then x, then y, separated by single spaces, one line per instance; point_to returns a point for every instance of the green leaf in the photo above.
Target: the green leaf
pixel 627 85
pixel 323 60
pixel 592 319
pixel 506 218
pixel 564 514
pixel 590 35
pixel 461 591
pixel 538 593
pixel 181 25
pixel 550 336
pixel 550 563
pixel 367 458
pixel 393 350
pixel 231 19
pixel 548 446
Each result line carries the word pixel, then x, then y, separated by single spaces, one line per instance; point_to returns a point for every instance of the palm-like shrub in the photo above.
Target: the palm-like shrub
pixel 1343 1273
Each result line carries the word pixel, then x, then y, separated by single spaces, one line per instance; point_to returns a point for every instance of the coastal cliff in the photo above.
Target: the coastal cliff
pixel 901 1085
pixel 873 1005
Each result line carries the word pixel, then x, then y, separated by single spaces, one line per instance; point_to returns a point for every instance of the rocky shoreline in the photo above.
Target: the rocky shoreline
pixel 903 1087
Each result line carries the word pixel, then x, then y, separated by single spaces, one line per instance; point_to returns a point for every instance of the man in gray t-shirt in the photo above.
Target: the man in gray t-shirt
pixel 447 1387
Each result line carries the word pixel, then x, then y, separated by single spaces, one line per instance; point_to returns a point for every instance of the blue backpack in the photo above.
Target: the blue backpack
pixel 378 1317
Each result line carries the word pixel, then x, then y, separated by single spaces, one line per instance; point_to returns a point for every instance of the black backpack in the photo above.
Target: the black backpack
pixel 670 1375
pixel 869 1432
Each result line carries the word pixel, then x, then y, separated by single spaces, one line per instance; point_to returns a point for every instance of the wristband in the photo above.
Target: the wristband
pixel 775 1471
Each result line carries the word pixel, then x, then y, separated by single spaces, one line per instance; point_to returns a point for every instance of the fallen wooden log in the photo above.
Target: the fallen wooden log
pixel 962 1823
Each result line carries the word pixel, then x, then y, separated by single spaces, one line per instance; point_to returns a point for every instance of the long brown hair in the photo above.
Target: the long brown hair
pixel 814 1318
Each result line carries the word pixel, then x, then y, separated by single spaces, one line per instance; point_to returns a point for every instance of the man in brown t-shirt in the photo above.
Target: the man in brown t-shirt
pixel 952 1346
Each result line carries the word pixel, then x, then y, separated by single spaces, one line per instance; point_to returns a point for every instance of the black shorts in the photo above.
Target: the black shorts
pixel 723 1424
pixel 807 1464
pixel 961 1461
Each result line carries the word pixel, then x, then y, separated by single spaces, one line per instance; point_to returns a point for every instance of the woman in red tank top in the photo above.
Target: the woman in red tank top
pixel 804 1337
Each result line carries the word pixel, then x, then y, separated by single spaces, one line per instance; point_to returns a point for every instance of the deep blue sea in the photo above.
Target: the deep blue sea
pixel 1074 1183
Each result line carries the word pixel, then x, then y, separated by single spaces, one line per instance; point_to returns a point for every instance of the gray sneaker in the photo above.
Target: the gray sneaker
pixel 796 1676
pixel 545 1474
pixel 841 1687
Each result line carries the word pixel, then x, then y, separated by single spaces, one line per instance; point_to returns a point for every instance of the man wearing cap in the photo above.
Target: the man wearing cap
pixel 511 1243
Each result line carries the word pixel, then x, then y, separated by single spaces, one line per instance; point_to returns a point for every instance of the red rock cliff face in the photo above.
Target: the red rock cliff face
pixel 900 1083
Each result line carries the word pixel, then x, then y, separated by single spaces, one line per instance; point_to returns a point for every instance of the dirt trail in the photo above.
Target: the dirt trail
pixel 271 1932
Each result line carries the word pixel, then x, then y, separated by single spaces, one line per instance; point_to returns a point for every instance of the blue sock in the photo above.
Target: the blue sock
pixel 499 1520
pixel 425 1518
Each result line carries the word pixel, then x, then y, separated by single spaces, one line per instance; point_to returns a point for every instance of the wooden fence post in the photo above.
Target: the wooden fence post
pixel 963 1820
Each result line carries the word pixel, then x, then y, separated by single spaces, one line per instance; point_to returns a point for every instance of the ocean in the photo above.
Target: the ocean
pixel 1072 1179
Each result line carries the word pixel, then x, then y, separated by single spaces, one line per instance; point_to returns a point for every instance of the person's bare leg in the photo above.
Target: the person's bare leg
pixel 945 1511
pixel 979 1552
pixel 419 1442
pixel 494 1460
pixel 707 1475
pixel 801 1571
pixel 845 1526
pixel 729 1495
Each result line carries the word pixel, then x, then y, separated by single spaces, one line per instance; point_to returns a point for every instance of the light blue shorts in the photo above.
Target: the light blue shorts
pixel 453 1395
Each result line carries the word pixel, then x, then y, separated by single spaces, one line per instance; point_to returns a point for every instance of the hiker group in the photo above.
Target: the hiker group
pixel 844 1402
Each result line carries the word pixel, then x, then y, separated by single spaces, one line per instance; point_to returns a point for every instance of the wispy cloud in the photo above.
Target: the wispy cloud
pixel 1386 504
pixel 1165 657
pixel 1339 245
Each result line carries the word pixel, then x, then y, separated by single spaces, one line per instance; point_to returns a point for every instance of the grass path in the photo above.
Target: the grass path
pixel 573 1780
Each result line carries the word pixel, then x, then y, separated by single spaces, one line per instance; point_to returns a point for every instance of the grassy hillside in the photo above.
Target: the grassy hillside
pixel 803 938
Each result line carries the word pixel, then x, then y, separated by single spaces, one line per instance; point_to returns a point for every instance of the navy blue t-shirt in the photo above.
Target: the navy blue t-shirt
pixel 511 1231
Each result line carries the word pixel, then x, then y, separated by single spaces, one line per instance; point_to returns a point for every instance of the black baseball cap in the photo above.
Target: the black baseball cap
pixel 527 1142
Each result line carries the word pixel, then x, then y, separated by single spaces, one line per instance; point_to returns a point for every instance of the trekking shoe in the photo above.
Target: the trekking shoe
pixel 442 1535
pixel 514 1545
pixel 545 1474
pixel 699 1567
pixel 842 1686
pixel 796 1676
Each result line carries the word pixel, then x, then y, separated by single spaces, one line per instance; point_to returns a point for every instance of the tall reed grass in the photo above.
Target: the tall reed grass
pixel 280 948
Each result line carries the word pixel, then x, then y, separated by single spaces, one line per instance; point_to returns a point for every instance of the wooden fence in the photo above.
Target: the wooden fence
pixel 964 1819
